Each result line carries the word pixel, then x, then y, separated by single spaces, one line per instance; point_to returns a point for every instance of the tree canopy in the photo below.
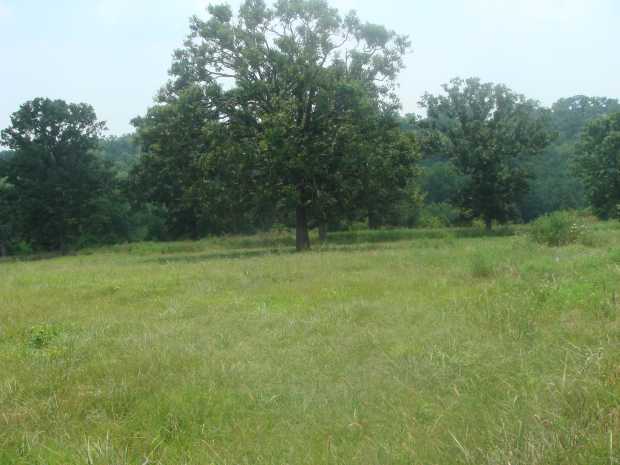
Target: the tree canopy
pixel 598 164
pixel 286 86
pixel 58 183
pixel 488 131
pixel 571 115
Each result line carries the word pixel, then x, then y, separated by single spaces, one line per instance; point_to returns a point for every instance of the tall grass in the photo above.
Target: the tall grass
pixel 422 350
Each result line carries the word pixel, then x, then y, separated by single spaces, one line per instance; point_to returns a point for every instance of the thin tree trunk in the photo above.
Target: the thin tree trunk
pixel 488 224
pixel 302 238
pixel 195 229
pixel 372 220
pixel 62 245
pixel 322 232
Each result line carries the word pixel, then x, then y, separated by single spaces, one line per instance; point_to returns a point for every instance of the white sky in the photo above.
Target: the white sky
pixel 114 54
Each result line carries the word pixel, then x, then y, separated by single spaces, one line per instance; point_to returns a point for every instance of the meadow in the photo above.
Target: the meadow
pixel 388 347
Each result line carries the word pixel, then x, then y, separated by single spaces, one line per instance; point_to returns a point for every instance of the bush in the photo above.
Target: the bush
pixel 559 228
pixel 20 248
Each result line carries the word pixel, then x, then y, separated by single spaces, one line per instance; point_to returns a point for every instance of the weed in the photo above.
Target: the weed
pixel 41 336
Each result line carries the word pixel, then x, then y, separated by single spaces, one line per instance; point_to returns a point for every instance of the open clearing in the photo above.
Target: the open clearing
pixel 433 349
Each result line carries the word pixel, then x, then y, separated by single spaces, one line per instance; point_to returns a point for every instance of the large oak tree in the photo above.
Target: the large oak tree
pixel 292 79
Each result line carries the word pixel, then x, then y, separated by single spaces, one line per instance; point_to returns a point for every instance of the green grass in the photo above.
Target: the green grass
pixel 379 348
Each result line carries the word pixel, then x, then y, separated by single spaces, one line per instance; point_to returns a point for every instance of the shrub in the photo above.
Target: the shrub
pixel 20 248
pixel 559 228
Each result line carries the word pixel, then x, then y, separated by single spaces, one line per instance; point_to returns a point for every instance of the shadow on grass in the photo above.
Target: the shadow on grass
pixel 35 257
pixel 203 257
pixel 373 236
pixel 239 254
pixel 268 244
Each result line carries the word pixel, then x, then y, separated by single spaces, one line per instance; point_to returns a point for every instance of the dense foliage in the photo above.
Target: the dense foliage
pixel 598 164
pixel 554 184
pixel 488 132
pixel 61 191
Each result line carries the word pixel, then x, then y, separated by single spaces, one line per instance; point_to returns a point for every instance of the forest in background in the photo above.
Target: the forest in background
pixel 310 136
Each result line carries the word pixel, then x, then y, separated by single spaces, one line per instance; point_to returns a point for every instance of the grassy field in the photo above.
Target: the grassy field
pixel 422 347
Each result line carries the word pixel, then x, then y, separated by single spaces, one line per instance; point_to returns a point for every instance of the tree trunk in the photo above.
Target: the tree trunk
pixel 302 239
pixel 322 232
pixel 488 224
pixel 62 245
pixel 195 229
pixel 372 220
pixel 2 249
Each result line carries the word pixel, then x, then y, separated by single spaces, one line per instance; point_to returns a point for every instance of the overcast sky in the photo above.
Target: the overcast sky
pixel 114 54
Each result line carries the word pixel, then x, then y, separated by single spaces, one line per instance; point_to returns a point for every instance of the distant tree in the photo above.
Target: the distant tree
pixel 554 184
pixel 58 181
pixel 488 132
pixel 7 214
pixel 388 172
pixel 297 72
pixel 169 171
pixel 598 164
pixel 441 181
pixel 121 151
pixel 570 115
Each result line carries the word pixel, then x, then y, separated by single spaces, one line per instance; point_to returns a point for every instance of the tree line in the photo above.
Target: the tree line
pixel 289 116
